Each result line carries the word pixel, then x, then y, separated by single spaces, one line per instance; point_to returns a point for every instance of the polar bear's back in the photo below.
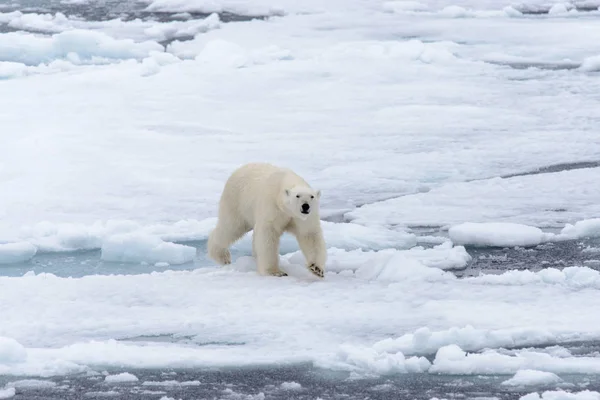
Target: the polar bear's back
pixel 253 184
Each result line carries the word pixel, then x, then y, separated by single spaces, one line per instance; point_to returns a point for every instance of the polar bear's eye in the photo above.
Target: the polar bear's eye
pixel 312 197
pixel 298 196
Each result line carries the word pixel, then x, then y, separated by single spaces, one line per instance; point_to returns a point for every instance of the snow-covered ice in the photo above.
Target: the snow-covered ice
pixel 474 117
pixel 502 234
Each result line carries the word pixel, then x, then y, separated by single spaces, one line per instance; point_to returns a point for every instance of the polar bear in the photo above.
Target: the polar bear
pixel 270 201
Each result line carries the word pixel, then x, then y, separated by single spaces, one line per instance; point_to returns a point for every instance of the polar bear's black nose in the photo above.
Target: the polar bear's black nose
pixel 305 208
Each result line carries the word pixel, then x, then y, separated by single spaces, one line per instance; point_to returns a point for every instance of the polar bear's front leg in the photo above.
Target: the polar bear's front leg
pixel 313 247
pixel 266 247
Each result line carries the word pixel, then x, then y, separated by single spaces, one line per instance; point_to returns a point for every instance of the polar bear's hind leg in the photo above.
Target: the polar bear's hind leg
pixel 227 232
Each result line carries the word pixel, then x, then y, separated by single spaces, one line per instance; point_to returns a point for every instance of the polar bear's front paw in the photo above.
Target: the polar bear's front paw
pixel 221 256
pixel 278 273
pixel 315 269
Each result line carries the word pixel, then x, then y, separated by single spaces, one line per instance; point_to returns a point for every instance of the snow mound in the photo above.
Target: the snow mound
pixel 531 377
pixel 11 351
pixel 496 234
pixel 562 395
pixel 136 248
pixel 77 46
pixel 16 252
pixel 7 393
pixel 121 378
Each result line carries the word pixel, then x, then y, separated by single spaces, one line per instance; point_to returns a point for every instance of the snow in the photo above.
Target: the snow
pixel 528 377
pixel 121 378
pixel 500 234
pixel 16 252
pixel 117 136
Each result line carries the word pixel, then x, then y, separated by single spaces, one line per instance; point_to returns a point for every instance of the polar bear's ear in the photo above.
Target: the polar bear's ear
pixel 319 194
pixel 287 192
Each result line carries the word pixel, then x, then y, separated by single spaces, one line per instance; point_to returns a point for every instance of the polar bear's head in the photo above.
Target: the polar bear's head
pixel 301 201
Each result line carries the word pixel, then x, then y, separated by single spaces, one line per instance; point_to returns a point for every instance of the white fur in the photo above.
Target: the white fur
pixel 268 199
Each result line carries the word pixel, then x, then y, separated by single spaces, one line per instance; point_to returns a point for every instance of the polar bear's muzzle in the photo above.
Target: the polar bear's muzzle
pixel 305 208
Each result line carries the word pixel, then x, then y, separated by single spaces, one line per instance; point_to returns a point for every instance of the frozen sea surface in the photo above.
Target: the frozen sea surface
pixel 456 146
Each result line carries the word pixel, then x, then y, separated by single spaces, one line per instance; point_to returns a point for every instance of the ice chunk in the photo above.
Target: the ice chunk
pixel 452 359
pixel 353 236
pixel 136 248
pixel 171 383
pixel 575 277
pixel 78 46
pixel 424 341
pixel 399 6
pixel 496 234
pixel 255 8
pixel 591 64
pixel 399 267
pixel 531 377
pixel 559 8
pixel 291 386
pixel 562 395
pixel 368 360
pixel 587 228
pixel 7 393
pixel 121 378
pixel 11 351
pixel 16 252
pixel 31 383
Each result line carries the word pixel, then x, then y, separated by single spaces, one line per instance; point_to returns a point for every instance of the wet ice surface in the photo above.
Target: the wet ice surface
pixel 297 382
